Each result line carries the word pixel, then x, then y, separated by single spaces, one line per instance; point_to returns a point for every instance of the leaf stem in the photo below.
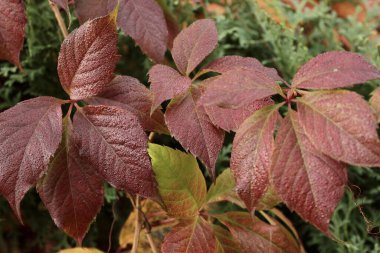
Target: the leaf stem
pixel 137 226
pixel 58 17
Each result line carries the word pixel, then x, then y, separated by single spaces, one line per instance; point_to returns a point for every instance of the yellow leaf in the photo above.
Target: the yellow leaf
pixel 80 250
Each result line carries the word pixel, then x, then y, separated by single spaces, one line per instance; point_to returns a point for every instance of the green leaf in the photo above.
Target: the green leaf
pixel 224 184
pixel 180 182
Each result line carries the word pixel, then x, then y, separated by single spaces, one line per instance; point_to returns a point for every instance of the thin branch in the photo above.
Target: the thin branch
pixel 58 17
pixel 150 240
pixel 137 226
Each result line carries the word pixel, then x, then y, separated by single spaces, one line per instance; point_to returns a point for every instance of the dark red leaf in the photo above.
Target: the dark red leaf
pixel 88 58
pixel 190 236
pixel 114 143
pixel 72 190
pixel 309 182
pixel 341 125
pixel 91 9
pixel 225 243
pixel 30 133
pixel 334 70
pixel 129 94
pixel 190 125
pixel 251 155
pixel 166 83
pixel 193 44
pixel 12 30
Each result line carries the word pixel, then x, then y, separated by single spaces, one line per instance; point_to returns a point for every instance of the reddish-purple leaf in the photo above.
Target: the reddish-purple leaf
pixel 190 236
pixel 256 236
pixel 144 21
pixel 166 83
pixel 375 102
pixel 91 9
pixel 30 133
pixel 251 154
pixel 309 182
pixel 173 28
pixel 239 87
pixel 225 243
pixel 129 94
pixel 193 44
pixel 114 143
pixel 334 70
pixel 12 30
pixel 88 58
pixel 190 125
pixel 72 190
pixel 64 4
pixel 341 125
pixel 228 63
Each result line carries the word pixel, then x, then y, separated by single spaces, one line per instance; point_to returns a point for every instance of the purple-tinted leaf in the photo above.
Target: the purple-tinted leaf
pixel 64 4
pixel 30 133
pixel 334 70
pixel 12 30
pixel 129 94
pixel 91 9
pixel 193 44
pixel 114 143
pixel 251 155
pixel 341 125
pixel 309 182
pixel 375 102
pixel 88 58
pixel 190 125
pixel 166 83
pixel 72 190
pixel 225 243
pixel 190 236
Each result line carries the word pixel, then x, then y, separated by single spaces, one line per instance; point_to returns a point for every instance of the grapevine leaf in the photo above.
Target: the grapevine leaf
pixel 225 243
pixel 30 133
pixel 309 182
pixel 334 70
pixel 193 44
pixel 341 125
pixel 375 102
pixel 72 191
pixel 256 236
pixel 129 94
pixel 251 154
pixel 224 184
pixel 88 58
pixel 166 83
pixel 113 142
pixel 80 250
pixel 12 30
pixel 180 182
pixel 239 87
pixel 190 125
pixel 190 236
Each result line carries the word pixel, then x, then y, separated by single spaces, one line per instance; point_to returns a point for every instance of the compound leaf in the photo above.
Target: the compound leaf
pixel 341 125
pixel 334 70
pixel 190 236
pixel 114 143
pixel 308 181
pixel 193 44
pixel 166 83
pixel 12 30
pixel 129 94
pixel 180 182
pixel 71 190
pixel 375 102
pixel 30 133
pixel 88 58
pixel 251 154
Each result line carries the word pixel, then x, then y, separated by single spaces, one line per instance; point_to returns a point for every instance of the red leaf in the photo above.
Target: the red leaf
pixel 190 236
pixel 193 44
pixel 145 22
pixel 239 87
pixel 341 125
pixel 88 58
pixel 224 241
pixel 72 190
pixel 309 182
pixel 91 9
pixel 166 83
pixel 375 102
pixel 12 30
pixel 190 125
pixel 129 94
pixel 30 133
pixel 114 143
pixel 334 70
pixel 251 155
pixel 64 4
pixel 256 236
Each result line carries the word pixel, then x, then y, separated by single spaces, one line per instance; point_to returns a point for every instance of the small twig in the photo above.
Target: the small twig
pixel 150 240
pixel 151 137
pixel 137 226
pixel 58 17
